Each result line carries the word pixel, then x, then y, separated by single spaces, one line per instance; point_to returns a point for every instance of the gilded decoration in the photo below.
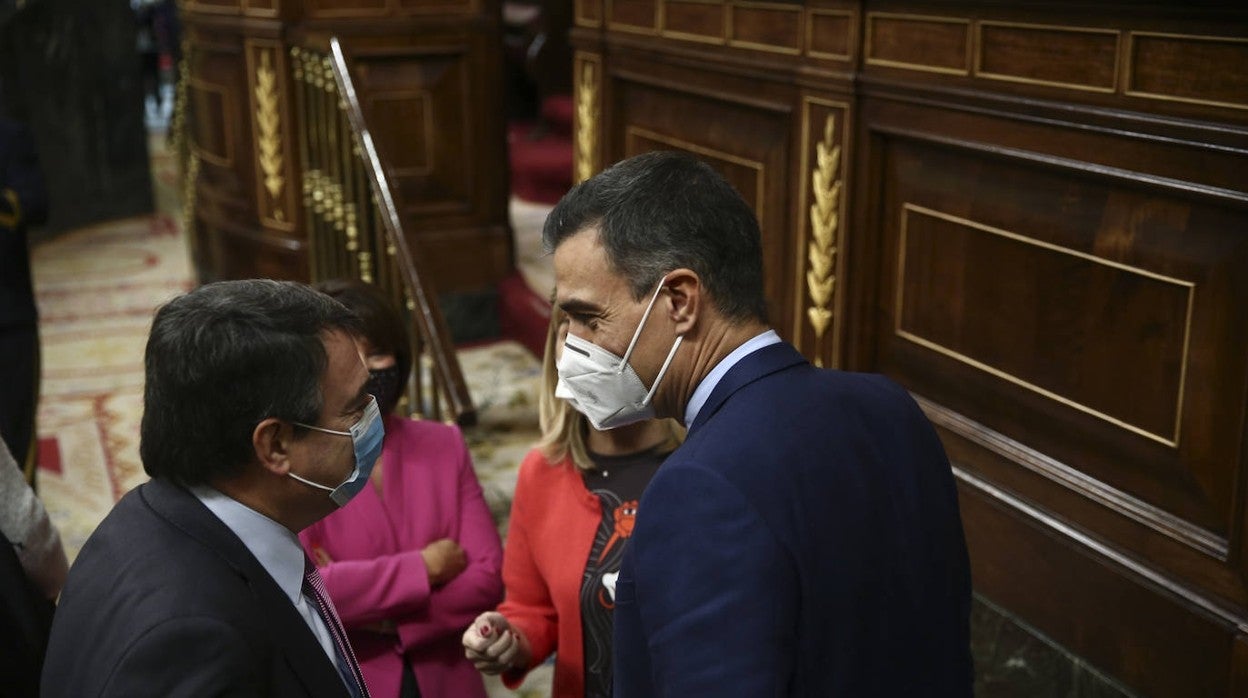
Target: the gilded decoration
pixel 587 120
pixel 824 221
pixel 269 134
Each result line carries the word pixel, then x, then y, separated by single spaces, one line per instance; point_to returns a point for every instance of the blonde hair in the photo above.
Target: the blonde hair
pixel 563 428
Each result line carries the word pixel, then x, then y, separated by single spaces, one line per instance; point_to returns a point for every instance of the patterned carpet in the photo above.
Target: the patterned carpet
pixel 97 289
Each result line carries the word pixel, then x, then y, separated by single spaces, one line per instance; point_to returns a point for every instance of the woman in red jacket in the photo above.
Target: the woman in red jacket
pixel 575 503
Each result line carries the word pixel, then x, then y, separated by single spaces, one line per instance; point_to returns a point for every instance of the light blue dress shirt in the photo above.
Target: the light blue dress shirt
pixel 703 392
pixel 277 550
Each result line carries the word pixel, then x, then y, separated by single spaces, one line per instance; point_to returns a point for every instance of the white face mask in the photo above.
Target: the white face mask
pixel 603 386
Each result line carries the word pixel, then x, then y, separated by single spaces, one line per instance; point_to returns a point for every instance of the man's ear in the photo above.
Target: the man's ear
pixel 684 291
pixel 272 439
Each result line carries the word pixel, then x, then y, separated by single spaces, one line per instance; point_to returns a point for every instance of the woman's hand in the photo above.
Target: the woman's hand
pixel 494 646
pixel 445 560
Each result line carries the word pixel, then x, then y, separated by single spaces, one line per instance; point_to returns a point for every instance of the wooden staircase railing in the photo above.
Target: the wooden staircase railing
pixel 354 229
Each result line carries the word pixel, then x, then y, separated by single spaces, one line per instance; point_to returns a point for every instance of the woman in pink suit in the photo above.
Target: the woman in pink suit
pixel 411 560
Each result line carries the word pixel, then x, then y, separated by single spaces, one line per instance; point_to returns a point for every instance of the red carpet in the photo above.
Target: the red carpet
pixel 523 313
pixel 541 153
pixel 541 172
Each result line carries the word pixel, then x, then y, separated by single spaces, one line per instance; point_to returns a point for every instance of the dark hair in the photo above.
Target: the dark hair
pixel 380 323
pixel 665 210
pixel 224 357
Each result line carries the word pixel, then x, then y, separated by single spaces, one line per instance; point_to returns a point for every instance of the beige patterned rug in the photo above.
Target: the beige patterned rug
pixel 97 289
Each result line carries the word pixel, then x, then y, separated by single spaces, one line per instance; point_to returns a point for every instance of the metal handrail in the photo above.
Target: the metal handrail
pixel 355 229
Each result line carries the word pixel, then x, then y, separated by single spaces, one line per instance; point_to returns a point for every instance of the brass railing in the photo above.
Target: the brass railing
pixel 354 228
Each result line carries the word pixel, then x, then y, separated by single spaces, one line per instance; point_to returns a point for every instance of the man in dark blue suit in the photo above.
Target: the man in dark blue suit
pixel 805 540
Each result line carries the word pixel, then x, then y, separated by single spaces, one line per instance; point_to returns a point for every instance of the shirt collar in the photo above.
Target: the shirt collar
pixel 272 544
pixel 703 392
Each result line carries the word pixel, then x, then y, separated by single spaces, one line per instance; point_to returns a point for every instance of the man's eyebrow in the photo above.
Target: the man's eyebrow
pixel 576 306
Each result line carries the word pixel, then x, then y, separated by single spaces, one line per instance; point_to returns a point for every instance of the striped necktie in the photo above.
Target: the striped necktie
pixel 314 589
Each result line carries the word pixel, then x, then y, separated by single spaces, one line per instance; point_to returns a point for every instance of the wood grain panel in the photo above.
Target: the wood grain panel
pixel 214 133
pixel 829 34
pixel 1066 300
pixel 633 15
pixel 1072 57
pixel 695 20
pixel 748 144
pixel 215 7
pixel 437 7
pixel 261 8
pixel 745 175
pixel 918 42
pixel 418 96
pixel 404 123
pixel 219 97
pixel 240 253
pixel 589 13
pixel 1196 69
pixel 766 27
pixel 962 288
pixel 346 8
pixel 1095 370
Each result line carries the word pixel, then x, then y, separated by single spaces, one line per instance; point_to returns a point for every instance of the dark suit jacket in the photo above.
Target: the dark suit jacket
pixel 804 541
pixel 25 616
pixel 164 600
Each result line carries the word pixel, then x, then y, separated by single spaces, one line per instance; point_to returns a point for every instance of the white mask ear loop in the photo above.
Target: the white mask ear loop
pixel 637 335
pixel 663 370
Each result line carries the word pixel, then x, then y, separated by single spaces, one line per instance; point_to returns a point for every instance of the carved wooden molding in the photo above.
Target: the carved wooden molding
pixel 825 216
pixel 269 128
pixel 588 85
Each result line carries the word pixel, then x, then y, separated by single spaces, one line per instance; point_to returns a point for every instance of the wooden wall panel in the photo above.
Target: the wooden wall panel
pixel 1189 68
pixel 214 7
pixel 919 42
pixel 346 8
pixel 588 13
pixel 1032 216
pixel 428 76
pixel 435 110
pixel 1100 337
pixel 768 27
pixel 1097 374
pixel 650 116
pixel 418 105
pixel 1074 57
pixel 695 20
pixel 830 34
pixel 633 15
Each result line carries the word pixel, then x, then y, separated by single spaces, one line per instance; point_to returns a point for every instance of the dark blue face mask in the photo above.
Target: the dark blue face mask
pixel 366 436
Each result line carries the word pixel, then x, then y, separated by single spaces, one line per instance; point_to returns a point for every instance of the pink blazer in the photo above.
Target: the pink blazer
pixel 377 572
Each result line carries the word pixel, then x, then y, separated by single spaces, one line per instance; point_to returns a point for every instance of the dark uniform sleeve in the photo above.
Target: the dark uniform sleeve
pixel 23 197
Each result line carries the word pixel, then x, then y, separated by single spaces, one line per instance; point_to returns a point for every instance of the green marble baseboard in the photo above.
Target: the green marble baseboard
pixel 1013 660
